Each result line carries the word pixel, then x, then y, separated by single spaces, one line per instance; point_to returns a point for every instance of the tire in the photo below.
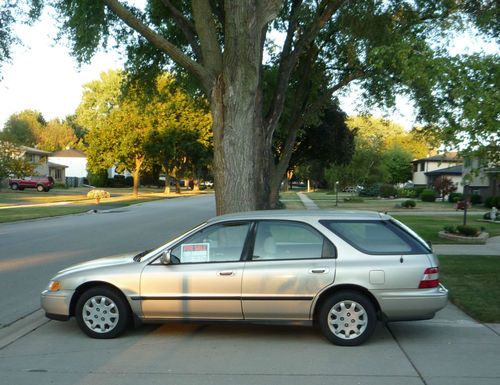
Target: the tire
pixel 40 188
pixel 102 313
pixel 347 318
pixel 14 186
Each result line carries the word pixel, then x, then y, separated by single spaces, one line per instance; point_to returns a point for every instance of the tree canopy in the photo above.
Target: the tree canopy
pixel 386 47
pixel 130 128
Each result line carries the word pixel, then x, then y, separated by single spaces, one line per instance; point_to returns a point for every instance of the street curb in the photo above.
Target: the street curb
pixel 22 327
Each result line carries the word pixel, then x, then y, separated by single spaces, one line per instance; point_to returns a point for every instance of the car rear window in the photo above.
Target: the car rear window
pixel 376 237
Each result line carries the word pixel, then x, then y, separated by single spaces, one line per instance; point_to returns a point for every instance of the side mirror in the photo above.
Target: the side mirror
pixel 166 258
pixel 429 243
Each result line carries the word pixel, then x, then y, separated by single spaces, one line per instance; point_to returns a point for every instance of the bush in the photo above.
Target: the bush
pixel 98 195
pixel 468 231
pixel 409 204
pixel 387 191
pixel 428 196
pixel 98 179
pixel 61 185
pixel 407 193
pixel 418 191
pixel 476 199
pixel 455 197
pixel 492 202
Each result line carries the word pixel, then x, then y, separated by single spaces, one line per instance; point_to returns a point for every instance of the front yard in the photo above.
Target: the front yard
pixel 71 201
pixel 473 284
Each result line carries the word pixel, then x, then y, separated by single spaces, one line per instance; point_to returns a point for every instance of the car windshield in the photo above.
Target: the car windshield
pixel 156 251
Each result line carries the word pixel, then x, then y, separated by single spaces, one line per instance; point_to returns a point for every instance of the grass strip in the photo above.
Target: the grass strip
pixel 473 284
pixel 20 214
pixel 428 226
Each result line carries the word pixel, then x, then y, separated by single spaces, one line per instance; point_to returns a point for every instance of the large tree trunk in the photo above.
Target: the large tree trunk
pixel 240 164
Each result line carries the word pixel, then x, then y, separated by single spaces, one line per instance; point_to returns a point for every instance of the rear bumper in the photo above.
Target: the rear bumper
pixel 412 305
pixel 56 304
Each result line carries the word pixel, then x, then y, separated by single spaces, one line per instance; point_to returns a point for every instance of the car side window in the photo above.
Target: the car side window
pixel 287 240
pixel 376 237
pixel 217 243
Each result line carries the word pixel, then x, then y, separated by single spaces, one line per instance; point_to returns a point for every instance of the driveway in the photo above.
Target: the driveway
pixel 452 349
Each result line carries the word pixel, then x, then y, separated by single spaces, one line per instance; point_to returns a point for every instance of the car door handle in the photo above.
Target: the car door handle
pixel 225 273
pixel 319 270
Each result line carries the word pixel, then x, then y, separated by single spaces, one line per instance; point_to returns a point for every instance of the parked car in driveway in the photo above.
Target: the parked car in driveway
pixel 41 183
pixel 342 270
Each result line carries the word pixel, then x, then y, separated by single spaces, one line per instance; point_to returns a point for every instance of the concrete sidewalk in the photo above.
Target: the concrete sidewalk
pixel 307 202
pixel 492 247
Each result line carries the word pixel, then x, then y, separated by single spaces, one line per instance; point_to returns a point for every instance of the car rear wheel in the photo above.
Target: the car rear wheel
pixel 14 186
pixel 347 318
pixel 40 188
pixel 102 313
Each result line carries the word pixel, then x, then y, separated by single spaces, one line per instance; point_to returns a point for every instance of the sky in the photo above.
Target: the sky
pixel 43 76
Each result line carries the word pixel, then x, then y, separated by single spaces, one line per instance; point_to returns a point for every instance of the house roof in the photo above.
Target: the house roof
pixel 454 170
pixel 69 153
pixel 55 165
pixel 31 150
pixel 440 158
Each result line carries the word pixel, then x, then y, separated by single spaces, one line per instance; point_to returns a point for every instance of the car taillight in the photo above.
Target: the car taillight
pixel 430 278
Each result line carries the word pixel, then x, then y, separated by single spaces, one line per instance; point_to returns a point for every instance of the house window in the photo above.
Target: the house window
pixel 58 173
pixel 30 158
pixel 422 166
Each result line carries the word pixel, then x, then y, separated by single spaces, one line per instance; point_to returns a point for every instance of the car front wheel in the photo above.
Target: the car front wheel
pixel 14 186
pixel 347 318
pixel 40 188
pixel 102 313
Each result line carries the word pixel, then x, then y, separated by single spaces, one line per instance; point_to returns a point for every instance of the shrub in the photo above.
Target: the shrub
pixel 418 191
pixel 98 195
pixel 455 197
pixel 409 204
pixel 428 196
pixel 406 193
pixel 492 202
pixel 387 191
pixel 450 229
pixel 476 199
pixel 98 179
pixel 61 185
pixel 468 231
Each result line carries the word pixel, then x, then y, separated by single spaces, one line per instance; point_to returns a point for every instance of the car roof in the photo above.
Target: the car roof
pixel 301 215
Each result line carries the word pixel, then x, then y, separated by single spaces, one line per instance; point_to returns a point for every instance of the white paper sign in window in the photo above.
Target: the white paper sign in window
pixel 195 252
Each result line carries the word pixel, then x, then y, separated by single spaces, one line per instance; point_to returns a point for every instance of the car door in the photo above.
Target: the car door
pixel 204 279
pixel 290 264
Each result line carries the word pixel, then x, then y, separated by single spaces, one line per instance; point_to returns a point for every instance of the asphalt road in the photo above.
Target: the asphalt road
pixel 31 252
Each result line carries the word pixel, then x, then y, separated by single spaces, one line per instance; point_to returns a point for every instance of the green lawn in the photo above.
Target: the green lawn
pixel 328 200
pixel 428 226
pixel 291 200
pixel 473 284
pixel 19 214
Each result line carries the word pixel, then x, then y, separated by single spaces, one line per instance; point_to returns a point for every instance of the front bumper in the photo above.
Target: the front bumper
pixel 418 304
pixel 56 304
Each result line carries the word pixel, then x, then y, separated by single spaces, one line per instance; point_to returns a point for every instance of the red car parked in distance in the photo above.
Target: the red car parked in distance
pixel 41 183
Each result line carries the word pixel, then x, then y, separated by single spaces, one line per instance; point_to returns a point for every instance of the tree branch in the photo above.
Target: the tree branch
pixel 207 33
pixel 185 25
pixel 291 56
pixel 159 41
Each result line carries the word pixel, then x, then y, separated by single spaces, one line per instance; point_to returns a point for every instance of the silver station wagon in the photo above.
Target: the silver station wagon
pixel 341 270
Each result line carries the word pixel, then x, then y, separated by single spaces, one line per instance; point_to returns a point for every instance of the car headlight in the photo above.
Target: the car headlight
pixel 54 286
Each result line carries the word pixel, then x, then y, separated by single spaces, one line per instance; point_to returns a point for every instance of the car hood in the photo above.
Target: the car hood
pixel 114 260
